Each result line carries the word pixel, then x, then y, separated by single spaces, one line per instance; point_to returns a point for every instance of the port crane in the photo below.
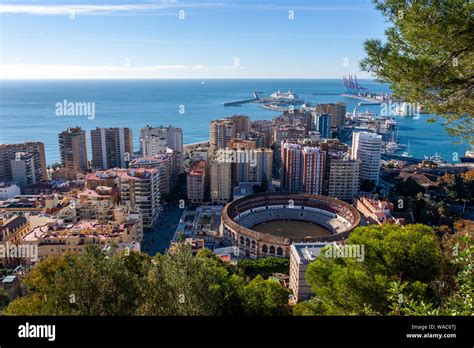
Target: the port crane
pixel 352 85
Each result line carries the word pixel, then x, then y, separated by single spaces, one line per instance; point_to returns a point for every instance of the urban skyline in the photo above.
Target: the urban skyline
pixel 243 159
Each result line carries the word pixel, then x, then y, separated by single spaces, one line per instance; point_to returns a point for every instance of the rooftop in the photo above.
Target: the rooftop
pixel 133 173
pixel 308 252
pixel 83 228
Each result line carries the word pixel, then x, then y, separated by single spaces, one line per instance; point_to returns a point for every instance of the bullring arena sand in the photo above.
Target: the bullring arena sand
pixel 291 229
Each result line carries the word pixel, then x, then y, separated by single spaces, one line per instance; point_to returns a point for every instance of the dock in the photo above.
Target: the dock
pixel 366 99
pixel 372 101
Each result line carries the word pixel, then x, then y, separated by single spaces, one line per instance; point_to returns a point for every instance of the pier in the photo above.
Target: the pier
pixel 244 101
pixel 325 93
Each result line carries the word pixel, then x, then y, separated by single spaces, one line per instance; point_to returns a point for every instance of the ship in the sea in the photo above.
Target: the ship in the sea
pixel 468 157
pixel 284 98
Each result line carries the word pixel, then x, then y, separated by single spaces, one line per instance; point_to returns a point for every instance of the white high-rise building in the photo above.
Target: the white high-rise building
pixel 200 154
pixel 367 147
pixel 151 142
pixel 153 145
pixel 173 136
pixel 24 171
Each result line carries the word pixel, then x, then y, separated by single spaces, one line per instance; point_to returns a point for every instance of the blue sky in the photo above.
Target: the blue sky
pixel 185 39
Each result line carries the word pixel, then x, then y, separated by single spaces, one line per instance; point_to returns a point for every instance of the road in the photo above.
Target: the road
pixel 157 239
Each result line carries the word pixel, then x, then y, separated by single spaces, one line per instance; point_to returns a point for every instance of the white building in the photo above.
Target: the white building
pixel 173 139
pixel 24 171
pixel 301 255
pixel 152 145
pixel 140 189
pixel 200 154
pixel 173 135
pixel 367 147
pixel 167 165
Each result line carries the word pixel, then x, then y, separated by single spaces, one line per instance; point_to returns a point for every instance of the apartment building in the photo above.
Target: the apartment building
pixel 111 147
pixel 220 133
pixel 221 181
pixel 302 168
pixel 343 178
pixel 13 228
pixel 301 255
pixel 8 153
pixel 73 151
pixel 196 182
pixel 367 147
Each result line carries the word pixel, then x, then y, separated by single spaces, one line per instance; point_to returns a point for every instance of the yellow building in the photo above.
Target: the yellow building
pixel 12 229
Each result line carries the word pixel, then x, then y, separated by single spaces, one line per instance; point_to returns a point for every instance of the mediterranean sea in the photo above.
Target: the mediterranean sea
pixel 28 108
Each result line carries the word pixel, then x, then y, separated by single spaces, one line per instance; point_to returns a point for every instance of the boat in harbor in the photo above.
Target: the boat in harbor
pixel 407 153
pixel 468 157
pixel 436 158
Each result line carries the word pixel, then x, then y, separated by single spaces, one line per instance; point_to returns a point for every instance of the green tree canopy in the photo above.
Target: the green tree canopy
pixel 263 297
pixel 116 283
pixel 427 57
pixel 264 266
pixel 345 286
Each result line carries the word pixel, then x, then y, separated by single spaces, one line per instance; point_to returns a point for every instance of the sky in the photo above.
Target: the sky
pixel 185 39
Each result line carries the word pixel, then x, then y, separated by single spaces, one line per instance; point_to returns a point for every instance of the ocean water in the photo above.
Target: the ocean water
pixel 28 108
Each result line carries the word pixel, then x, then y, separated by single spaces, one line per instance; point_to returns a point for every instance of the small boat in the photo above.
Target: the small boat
pixel 435 158
pixel 408 152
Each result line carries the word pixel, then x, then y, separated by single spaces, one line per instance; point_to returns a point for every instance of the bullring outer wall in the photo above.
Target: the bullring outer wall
pixel 255 244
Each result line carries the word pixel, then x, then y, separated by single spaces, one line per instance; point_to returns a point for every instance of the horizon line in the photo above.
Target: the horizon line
pixel 179 78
